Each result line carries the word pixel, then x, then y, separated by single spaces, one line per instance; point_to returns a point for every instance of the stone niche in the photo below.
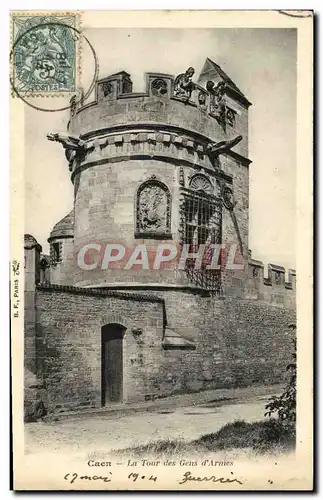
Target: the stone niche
pixel 153 217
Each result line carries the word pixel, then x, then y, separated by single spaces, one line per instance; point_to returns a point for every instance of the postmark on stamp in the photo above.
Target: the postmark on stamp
pixel 44 53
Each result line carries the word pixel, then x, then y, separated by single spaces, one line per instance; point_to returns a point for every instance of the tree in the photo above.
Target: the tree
pixel 284 406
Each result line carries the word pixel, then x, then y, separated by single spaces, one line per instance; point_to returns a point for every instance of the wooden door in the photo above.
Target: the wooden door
pixel 112 363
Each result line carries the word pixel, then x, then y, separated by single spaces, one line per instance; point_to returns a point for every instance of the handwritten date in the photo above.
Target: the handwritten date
pixel 72 476
pixel 134 476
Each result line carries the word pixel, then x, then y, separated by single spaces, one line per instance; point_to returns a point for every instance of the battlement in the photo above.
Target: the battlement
pixel 273 288
pixel 119 86
pixel 215 112
pixel 276 274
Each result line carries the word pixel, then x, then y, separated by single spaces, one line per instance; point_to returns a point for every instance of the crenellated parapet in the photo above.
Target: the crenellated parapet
pixel 211 100
pixel 273 288
pixel 208 114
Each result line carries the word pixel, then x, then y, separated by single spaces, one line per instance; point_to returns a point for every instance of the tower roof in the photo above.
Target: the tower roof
pixel 210 70
pixel 31 242
pixel 45 259
pixel 64 228
pixel 120 73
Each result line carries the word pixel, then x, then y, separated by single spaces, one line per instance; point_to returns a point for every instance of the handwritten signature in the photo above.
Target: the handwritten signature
pixel 187 476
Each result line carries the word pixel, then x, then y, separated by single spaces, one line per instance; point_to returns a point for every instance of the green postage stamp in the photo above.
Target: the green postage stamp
pixel 44 53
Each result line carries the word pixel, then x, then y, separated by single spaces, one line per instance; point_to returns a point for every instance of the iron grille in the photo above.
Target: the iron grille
pixel 201 222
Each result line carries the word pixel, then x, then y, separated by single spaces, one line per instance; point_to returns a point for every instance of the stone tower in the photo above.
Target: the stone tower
pixel 169 165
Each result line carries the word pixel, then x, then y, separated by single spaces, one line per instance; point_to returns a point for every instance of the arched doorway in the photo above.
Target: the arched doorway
pixel 112 362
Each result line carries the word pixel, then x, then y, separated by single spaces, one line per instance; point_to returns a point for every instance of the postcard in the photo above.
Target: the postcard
pixel 161 250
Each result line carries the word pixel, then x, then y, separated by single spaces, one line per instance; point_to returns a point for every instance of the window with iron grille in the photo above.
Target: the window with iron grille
pixel 201 216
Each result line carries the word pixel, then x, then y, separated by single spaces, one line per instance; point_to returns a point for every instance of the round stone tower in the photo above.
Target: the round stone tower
pixel 169 167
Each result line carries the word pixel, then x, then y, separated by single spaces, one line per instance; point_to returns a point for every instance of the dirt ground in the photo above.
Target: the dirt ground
pixel 96 435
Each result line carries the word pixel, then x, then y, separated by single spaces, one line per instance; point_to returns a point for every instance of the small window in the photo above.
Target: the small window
pixel 55 253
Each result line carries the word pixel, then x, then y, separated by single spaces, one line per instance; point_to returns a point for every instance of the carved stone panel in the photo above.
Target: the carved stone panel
pixel 153 210
pixel 228 197
pixel 159 87
pixel 106 89
pixel 201 183
pixel 230 117
pixel 201 98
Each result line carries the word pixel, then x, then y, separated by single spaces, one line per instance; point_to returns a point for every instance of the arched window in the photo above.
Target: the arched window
pixel 153 207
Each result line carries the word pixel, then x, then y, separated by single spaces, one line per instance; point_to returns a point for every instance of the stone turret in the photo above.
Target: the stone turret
pixel 61 250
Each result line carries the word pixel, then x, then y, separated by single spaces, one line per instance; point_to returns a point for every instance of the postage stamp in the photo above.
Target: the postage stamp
pixel 44 53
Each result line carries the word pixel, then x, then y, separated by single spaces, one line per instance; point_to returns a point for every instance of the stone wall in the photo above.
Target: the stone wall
pixel 275 289
pixel 69 344
pixel 232 343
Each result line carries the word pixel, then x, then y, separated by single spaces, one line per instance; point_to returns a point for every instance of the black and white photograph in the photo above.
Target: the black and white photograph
pixel 162 250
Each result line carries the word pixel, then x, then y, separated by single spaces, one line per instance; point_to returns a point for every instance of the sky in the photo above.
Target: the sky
pixel 262 63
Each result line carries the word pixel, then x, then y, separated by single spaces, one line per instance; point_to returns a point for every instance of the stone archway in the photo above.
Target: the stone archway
pixel 112 363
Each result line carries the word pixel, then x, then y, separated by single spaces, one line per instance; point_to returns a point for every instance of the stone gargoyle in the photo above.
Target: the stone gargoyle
pixel 73 145
pixel 214 149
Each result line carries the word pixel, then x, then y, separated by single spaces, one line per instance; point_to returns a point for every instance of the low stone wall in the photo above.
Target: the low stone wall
pixel 220 342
